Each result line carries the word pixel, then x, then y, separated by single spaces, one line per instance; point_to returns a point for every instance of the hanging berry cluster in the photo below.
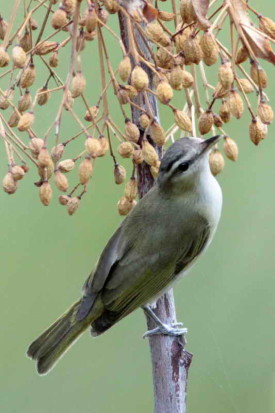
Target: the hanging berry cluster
pixel 182 41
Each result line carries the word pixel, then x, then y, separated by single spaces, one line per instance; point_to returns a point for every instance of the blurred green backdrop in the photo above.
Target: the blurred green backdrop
pixel 227 302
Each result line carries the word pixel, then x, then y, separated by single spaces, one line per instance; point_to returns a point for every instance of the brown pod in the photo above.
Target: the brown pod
pixel 218 122
pixel 245 86
pixel 164 92
pixel 90 18
pixel 24 102
pixel 220 91
pixel 119 174
pixel 19 56
pixel 112 6
pixel 25 121
pixel 157 133
pixel 4 57
pixel 131 189
pixel 149 153
pixel 257 131
pixel 216 162
pixel 137 156
pixel 73 205
pixel 182 120
pixel 267 25
pixel 46 173
pixel 124 68
pixel 164 58
pixel 45 47
pixel 28 76
pixel 66 166
pixel 209 49
pixel 14 119
pixel 9 184
pixel 132 131
pixel 155 170
pixel 43 95
pixel 122 95
pixel 125 206
pixel 125 149
pixel 176 77
pixel 166 16
pixel 69 5
pixel 91 113
pixel 226 75
pixel 61 181
pixel 154 31
pixel 45 193
pixel 17 172
pixel 44 158
pixel 54 59
pixel 265 113
pixel 4 100
pixel 231 149
pixel 3 28
pixel 144 120
pixel 78 84
pixel 36 145
pixel 63 199
pixel 258 74
pixel 59 18
pixel 206 121
pixel 26 41
pixel 103 15
pixel 242 55
pixel 224 111
pixel 104 146
pixel 139 79
pixel 235 104
pixel 57 152
pixel 192 50
pixel 187 11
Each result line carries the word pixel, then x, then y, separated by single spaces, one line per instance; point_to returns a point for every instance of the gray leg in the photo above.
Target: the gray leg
pixel 175 329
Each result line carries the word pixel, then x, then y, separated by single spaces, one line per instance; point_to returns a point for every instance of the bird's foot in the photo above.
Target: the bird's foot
pixel 173 330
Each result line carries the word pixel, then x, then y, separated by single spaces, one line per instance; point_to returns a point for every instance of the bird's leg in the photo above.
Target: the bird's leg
pixel 174 329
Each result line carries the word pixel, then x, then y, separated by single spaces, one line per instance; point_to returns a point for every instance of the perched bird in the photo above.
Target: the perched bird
pixel 154 246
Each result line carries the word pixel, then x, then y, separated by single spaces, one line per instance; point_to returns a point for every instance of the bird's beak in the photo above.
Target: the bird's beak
pixel 208 143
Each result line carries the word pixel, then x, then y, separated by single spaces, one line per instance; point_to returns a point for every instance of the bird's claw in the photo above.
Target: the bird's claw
pixel 173 330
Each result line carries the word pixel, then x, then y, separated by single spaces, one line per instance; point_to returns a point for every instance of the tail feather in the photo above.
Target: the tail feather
pixel 55 341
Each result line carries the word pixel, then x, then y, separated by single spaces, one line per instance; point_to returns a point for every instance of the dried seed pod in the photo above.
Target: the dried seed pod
pixel 192 50
pixel 155 170
pixel 28 76
pixel 245 86
pixel 124 68
pixel 54 59
pixel 119 174
pixel 154 31
pixel 149 153
pixel 4 57
pixel 209 49
pixel 66 166
pixel 14 119
pixel 226 75
pixel 24 102
pixel 4 100
pixel 91 113
pixel 220 91
pixel 265 112
pixel 125 206
pixel 216 162
pixel 104 146
pixel 164 40
pixel 139 79
pixel 131 131
pixel 176 77
pixel 187 11
pixel 132 92
pixel 25 121
pixel 78 84
pixel 57 152
pixel 231 149
pixel 45 193
pixel 85 170
pixel 69 5
pixel 180 38
pixel 267 26
pixel 3 27
pixel 112 6
pixel 235 104
pixel 182 120
pixel 44 158
pixel 17 172
pixel 206 121
pixel 19 56
pixel 43 96
pixel 242 55
pixel 218 122
pixel 144 120
pixel 45 47
pixel 34 24
pixel 164 92
pixel 125 149
pixel 25 168
pixel 157 133
pixel 131 189
pixel 46 173
pixel 90 18
pixel 122 95
pixel 259 75
pixel 9 184
pixel 92 146
pixel 165 16
pixel 36 145
pixel 257 131
pixel 73 205
pixel 164 58
pixel 224 111
pixel 26 41
pixel 61 181
pixel 138 156
pixel 103 15
pixel 63 199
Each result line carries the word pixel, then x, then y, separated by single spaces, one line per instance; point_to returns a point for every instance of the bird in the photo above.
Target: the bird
pixel 155 245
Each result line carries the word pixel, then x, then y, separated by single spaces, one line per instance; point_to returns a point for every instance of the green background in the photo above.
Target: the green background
pixel 227 301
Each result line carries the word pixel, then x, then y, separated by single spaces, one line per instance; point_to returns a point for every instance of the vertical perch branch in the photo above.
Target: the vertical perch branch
pixel 170 361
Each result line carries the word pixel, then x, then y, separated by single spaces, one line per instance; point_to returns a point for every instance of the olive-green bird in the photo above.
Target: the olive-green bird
pixel 155 244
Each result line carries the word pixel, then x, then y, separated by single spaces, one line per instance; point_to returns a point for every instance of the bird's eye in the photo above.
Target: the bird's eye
pixel 183 166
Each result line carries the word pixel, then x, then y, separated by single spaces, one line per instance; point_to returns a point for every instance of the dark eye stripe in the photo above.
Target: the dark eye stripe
pixel 169 166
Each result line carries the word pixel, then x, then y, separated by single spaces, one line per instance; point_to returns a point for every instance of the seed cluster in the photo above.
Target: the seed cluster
pixel 182 42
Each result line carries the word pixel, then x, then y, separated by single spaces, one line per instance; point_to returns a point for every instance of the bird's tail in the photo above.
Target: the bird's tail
pixel 56 340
